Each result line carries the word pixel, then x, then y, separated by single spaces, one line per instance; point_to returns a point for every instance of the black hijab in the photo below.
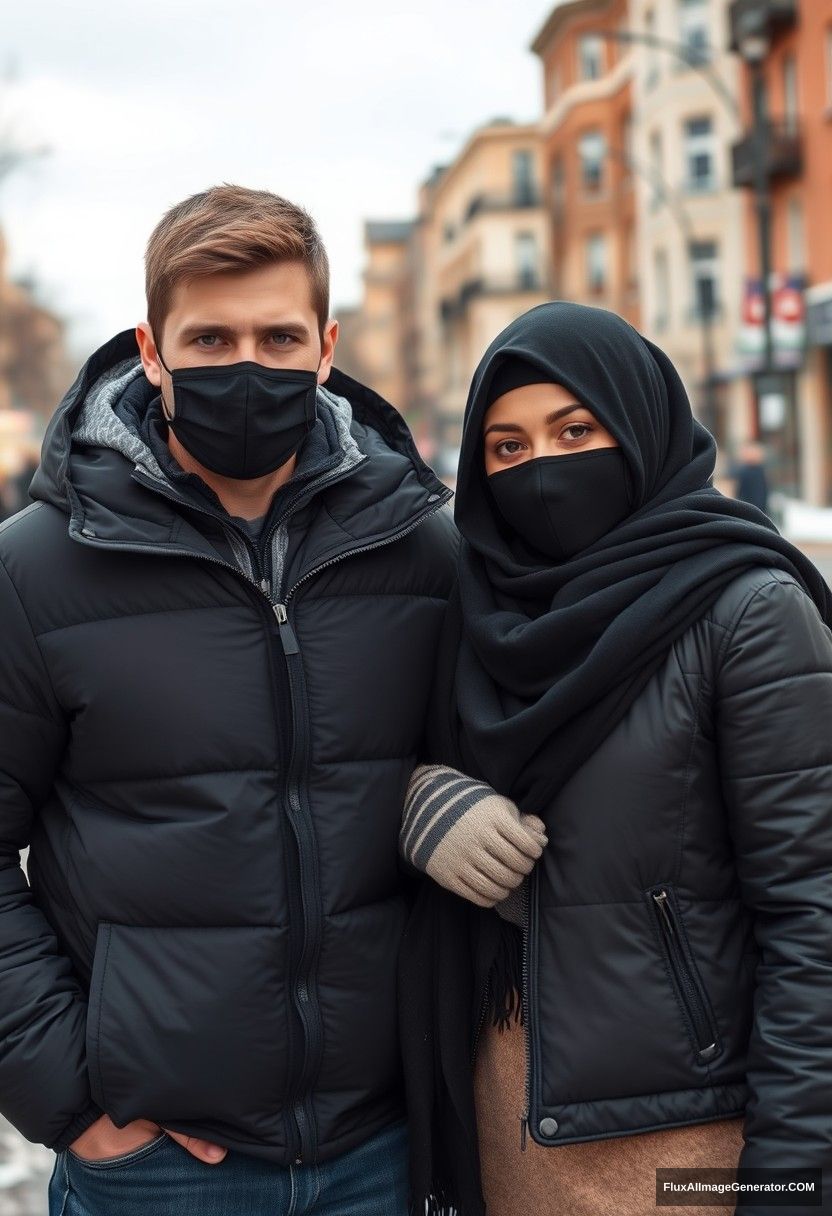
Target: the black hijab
pixel 540 660
pixel 547 657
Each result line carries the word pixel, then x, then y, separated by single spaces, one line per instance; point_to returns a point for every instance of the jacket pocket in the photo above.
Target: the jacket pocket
pixel 681 966
pixel 122 1159
pixel 188 1025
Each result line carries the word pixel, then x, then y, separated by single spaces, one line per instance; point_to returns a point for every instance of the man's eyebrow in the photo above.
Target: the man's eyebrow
pixel 297 329
pixel 510 427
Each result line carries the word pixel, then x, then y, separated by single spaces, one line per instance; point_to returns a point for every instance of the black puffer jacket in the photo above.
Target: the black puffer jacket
pixel 688 869
pixel 207 749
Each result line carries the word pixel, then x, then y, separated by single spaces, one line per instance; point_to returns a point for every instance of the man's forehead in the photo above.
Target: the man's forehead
pixel 277 292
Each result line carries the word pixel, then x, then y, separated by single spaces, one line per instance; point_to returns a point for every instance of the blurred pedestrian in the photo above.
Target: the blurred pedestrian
pixel 749 476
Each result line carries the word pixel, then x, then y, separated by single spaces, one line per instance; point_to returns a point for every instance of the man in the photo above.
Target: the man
pixel 219 620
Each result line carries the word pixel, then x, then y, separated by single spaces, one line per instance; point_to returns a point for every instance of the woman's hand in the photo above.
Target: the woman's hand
pixel 103 1139
pixel 488 852
pixel 467 837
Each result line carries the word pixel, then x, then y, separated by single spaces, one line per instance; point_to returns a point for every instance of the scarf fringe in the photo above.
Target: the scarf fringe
pixel 435 1204
pixel 505 980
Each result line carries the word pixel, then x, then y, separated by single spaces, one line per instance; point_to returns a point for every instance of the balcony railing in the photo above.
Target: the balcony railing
pixel 759 17
pixel 783 154
pixel 514 200
pixel 504 285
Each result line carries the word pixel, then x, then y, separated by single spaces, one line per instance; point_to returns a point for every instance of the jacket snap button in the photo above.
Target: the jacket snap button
pixel 548 1127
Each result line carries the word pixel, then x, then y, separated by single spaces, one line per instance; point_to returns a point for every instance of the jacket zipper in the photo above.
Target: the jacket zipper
pixel 671 936
pixel 526 1004
pixel 481 1021
pixel 303 993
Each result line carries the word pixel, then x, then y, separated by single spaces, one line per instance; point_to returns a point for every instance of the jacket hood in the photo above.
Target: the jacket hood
pixel 95 463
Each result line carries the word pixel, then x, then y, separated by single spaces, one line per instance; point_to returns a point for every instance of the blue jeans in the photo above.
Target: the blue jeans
pixel 163 1179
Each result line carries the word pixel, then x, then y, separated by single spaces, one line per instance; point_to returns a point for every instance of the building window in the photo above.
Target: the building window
pixel 651 75
pixel 553 84
pixel 795 235
pixel 700 154
pixel 790 102
pixel 704 267
pixel 526 260
pixel 625 144
pixel 592 149
pixel 656 169
pixel 661 281
pixel 596 263
pixel 630 254
pixel 590 57
pixel 558 183
pixel 522 172
pixel 693 29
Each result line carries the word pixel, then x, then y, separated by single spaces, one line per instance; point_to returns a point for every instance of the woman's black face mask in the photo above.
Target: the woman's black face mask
pixel 560 505
pixel 241 420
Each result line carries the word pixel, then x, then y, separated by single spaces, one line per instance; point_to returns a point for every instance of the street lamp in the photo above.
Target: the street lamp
pixel 753 45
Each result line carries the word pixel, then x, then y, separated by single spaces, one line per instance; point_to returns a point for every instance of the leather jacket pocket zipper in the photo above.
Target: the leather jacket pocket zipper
pixel 686 979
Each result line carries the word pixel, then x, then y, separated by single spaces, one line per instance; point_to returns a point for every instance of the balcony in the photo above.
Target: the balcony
pixel 759 17
pixel 524 282
pixel 515 200
pixel 783 154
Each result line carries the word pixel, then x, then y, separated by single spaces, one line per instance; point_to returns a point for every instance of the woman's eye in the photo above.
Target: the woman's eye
pixel 509 447
pixel 578 430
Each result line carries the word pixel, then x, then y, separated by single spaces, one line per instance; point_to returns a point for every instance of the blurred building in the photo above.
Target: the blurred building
pixel 487 260
pixel 690 215
pixel 587 136
pixel 372 346
pixel 438 289
pixel 785 47
pixel 640 191
pixel 35 371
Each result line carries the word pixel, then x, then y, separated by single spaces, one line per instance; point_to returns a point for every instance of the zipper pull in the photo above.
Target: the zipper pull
pixel 287 634
pixel 524 1127
pixel 660 899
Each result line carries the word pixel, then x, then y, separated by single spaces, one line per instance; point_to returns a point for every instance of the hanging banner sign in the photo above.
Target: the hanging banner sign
pixel 788 322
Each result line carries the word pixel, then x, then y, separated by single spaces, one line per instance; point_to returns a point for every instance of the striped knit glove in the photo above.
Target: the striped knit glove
pixel 466 836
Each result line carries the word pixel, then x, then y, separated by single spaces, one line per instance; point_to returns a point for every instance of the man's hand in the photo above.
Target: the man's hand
pixel 103 1139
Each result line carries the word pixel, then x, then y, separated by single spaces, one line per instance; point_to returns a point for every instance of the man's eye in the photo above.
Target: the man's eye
pixel 281 339
pixel 207 340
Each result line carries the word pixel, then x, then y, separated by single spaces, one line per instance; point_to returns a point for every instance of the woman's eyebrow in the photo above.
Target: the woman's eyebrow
pixel 509 427
pixel 563 411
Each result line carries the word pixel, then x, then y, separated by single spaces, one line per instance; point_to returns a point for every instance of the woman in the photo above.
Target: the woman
pixel 635 688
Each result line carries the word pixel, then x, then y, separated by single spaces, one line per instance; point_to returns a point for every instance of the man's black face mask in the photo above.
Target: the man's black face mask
pixel 241 420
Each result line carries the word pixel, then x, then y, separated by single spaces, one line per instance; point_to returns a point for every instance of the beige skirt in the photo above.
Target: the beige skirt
pixel 600 1178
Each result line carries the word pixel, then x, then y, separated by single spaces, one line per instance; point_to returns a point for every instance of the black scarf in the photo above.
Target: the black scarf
pixel 539 662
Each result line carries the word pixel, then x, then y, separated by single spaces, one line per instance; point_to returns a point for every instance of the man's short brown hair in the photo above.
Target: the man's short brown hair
pixel 231 229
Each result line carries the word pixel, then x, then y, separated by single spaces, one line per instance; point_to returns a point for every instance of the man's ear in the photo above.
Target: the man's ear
pixel 328 344
pixel 148 353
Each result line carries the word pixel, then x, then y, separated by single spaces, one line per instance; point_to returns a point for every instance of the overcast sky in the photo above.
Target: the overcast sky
pixel 341 107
